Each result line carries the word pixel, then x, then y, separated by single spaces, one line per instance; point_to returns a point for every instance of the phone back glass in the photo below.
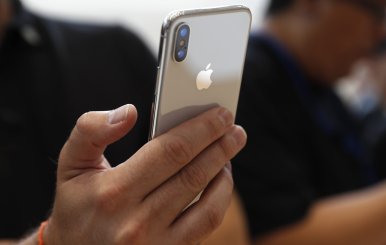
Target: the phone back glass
pixel 218 37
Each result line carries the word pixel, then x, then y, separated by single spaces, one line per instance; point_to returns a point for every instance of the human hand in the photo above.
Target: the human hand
pixel 142 200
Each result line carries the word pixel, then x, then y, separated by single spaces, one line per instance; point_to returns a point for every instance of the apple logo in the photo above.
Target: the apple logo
pixel 203 80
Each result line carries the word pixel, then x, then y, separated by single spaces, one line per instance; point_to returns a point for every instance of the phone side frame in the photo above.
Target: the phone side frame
pixel 164 50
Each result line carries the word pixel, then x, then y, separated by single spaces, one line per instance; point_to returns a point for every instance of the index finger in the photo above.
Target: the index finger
pixel 167 154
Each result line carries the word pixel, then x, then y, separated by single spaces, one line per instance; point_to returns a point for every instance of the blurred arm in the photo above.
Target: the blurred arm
pixel 357 218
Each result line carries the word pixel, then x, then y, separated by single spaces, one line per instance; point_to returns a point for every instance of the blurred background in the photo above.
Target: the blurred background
pixel 145 17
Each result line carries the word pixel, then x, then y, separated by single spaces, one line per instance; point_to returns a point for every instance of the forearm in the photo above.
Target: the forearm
pixel 357 218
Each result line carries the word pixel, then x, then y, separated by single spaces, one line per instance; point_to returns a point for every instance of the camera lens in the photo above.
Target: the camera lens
pixel 184 31
pixel 181 54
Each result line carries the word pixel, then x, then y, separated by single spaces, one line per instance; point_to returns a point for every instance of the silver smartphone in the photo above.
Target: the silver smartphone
pixel 201 62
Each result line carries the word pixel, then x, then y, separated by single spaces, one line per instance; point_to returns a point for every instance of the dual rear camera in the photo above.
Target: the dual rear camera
pixel 181 42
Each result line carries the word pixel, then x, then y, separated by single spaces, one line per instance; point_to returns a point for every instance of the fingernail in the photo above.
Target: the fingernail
pixel 228 167
pixel 239 135
pixel 225 117
pixel 118 115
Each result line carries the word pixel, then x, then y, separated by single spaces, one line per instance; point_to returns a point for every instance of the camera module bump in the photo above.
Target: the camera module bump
pixel 181 42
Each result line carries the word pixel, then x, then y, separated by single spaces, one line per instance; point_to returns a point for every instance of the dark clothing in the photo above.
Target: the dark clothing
pixel 50 73
pixel 303 145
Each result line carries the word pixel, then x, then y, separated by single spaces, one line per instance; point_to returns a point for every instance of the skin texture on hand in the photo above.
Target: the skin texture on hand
pixel 142 200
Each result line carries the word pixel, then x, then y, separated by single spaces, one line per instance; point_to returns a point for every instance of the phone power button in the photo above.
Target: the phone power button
pixel 151 122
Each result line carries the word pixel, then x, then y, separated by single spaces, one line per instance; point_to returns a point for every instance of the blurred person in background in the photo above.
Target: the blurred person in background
pixel 364 93
pixel 50 73
pixel 307 174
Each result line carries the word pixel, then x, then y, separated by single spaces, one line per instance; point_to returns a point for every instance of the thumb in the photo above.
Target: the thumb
pixel 93 132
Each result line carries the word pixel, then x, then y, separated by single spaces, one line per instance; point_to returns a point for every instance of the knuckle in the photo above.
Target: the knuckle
pixel 211 221
pixel 194 178
pixel 214 218
pixel 190 239
pixel 226 147
pixel 214 127
pixel 86 130
pixel 178 151
pixel 83 123
pixel 134 233
pixel 106 199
